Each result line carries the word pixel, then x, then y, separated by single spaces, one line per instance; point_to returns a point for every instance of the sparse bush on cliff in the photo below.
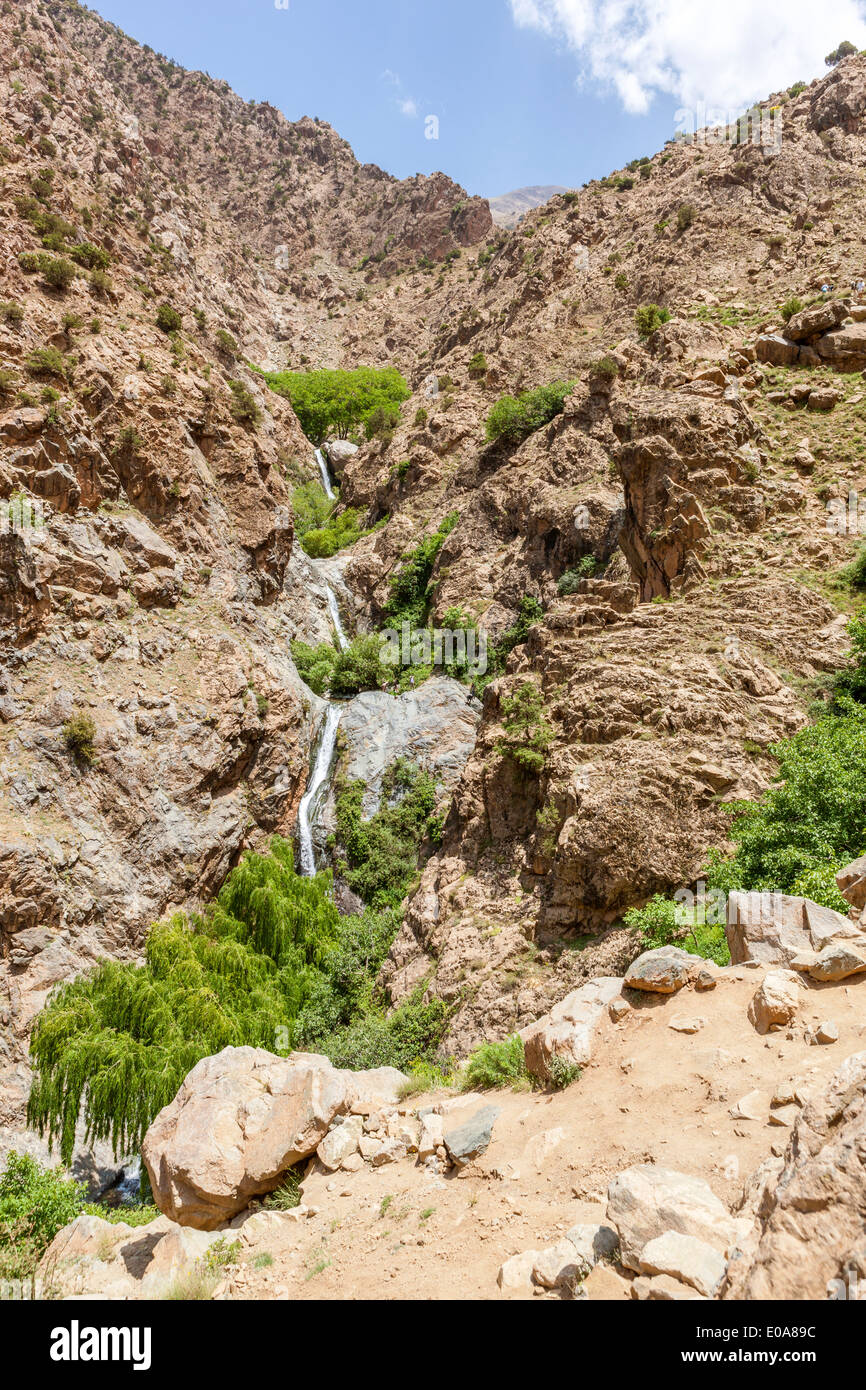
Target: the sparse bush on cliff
pixel 168 318
pixel 527 733
pixel 514 418
pixel 649 317
pixel 686 214
pixel 410 587
pixel 380 854
pixel 243 404
pixel 79 734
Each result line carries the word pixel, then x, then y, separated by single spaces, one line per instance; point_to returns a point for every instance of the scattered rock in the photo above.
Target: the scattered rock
pixel 775 1003
pixel 686 1258
pixel 470 1139
pixel 648 1200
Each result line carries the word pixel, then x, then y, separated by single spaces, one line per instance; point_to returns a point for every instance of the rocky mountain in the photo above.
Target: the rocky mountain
pixel 508 208
pixel 669 527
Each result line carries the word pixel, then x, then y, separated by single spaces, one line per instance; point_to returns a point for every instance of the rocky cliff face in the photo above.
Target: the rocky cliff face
pixel 160 595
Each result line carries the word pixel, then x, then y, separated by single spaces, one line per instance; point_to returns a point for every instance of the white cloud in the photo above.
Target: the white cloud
pixel 722 55
pixel 408 107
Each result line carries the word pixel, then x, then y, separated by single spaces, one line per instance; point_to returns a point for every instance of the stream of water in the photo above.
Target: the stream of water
pixel 321 770
pixel 326 477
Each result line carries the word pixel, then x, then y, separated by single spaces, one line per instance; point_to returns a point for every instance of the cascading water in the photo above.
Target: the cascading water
pixel 326 477
pixel 321 768
pixel 334 610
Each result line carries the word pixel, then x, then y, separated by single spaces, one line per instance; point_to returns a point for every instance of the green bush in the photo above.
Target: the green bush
pixel 331 403
pixel 650 317
pixel 478 364
pixel 379 855
pixel 343 673
pixel 791 306
pixel 312 508
pixel 410 585
pixel 340 530
pixel 813 821
pixel 226 343
pixel 663 922
pixel 529 613
pixel 686 215
pixel 79 734
pixel 586 568
pixel 243 404
pixel 49 361
pixel 35 1203
pixel 514 418
pixel 606 367
pixel 497 1064
pixel 168 318
pixel 57 272
pixel 527 733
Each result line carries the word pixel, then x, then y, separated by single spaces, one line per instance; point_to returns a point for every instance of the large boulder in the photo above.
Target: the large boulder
pixel 852 882
pixel 339 452
pixel 817 319
pixel 663 970
pixel 845 348
pixel 775 928
pixel 238 1122
pixel 773 348
pixel 646 1201
pixel 810 1240
pixel 469 1140
pixel 568 1031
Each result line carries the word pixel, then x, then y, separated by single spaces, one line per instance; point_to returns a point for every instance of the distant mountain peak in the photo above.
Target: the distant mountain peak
pixel 508 208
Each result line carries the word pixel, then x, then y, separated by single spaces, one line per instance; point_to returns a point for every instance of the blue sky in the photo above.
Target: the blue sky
pixel 525 91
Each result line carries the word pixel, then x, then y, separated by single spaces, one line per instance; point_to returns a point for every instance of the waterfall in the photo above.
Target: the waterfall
pixel 326 477
pixel 334 610
pixel 321 768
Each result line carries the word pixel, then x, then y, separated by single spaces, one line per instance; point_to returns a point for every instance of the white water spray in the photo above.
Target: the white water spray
pixel 326 477
pixel 334 610
pixel 321 768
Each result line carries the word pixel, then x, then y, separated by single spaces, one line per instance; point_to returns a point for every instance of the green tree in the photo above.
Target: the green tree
pixel 333 403
pixel 527 733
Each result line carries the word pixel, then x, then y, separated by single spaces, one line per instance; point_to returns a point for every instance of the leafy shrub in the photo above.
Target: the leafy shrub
pixel 498 652
pixel 663 922
pixel 11 311
pixel 35 1203
pixel 226 343
pixel 514 418
pixel 649 317
pixel 382 422
pixel 527 733
pixel 496 1064
pixel 791 307
pixel 379 856
pixel 606 367
pixel 813 820
pixel 409 586
pixel 562 1073
pixel 48 361
pixel 478 364
pixel 57 272
pixel 686 214
pixel 79 733
pixel 90 256
pixel 586 568
pixel 168 318
pixel 312 508
pixel 339 531
pixel 342 673
pixel 336 402
pixel 620 281
pixel 420 417
pixel 243 404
